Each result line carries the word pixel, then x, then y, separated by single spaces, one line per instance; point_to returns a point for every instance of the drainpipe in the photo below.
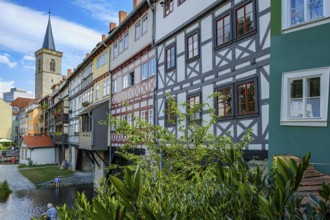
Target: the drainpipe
pixel 110 103
pixel 156 57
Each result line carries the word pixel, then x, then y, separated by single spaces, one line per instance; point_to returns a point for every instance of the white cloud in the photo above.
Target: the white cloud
pixel 101 10
pixel 5 60
pixel 22 30
pixel 5 86
pixel 30 58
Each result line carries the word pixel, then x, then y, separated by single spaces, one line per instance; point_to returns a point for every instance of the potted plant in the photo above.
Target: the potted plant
pixel 84 104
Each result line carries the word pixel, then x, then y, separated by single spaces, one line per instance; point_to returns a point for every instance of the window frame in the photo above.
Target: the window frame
pixel 126 40
pixel 233 106
pixel 169 113
pixel 180 2
pixel 324 74
pixel 146 65
pixel 254 23
pixel 194 95
pixel 191 34
pixel 144 22
pixel 256 94
pixel 137 31
pixel 286 17
pixel 222 16
pixel 52 65
pixel 169 47
pixel 170 5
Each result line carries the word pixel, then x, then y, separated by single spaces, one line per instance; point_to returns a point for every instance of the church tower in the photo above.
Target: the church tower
pixel 48 65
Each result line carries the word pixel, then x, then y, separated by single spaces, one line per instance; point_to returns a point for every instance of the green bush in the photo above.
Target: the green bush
pixel 4 189
pixel 196 175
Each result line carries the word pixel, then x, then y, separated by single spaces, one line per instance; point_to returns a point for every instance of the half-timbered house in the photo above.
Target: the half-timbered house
pixel 133 69
pixel 208 46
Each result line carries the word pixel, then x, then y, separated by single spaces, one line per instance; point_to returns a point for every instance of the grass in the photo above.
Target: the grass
pixel 42 174
pixel 38 165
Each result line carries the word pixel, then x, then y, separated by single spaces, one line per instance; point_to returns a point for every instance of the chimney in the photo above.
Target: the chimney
pixel 68 74
pixel 103 37
pixel 135 3
pixel 122 16
pixel 87 55
pixel 112 26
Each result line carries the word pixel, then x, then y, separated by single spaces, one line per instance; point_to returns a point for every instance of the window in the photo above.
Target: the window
pixel 86 123
pixel 121 46
pixel 305 98
pixel 223 30
pixel 137 30
pixel 52 65
pixel 192 46
pixel 152 67
pixel 246 98
pixel 144 24
pixel 129 119
pixel 126 41
pixel 181 1
pixel 114 86
pixel 151 116
pixel 97 92
pixel 193 105
pixel 144 115
pixel 169 113
pixel 144 70
pixel 244 19
pixel 148 69
pixel 115 50
pixel 100 61
pixel 224 102
pixel 39 65
pixel 301 11
pixel 170 58
pixel 168 7
pixel 106 87
pixel 128 80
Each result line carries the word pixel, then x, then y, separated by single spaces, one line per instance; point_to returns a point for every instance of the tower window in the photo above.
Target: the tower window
pixel 39 65
pixel 52 65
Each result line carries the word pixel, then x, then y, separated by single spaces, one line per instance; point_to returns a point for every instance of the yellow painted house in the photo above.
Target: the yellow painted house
pixel 5 119
pixel 32 122
pixel 101 76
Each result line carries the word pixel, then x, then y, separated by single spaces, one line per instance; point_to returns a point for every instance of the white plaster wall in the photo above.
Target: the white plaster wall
pixel 134 46
pixel 180 15
pixel 43 155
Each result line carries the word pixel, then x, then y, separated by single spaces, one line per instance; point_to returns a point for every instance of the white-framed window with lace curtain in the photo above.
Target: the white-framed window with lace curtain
pixel 299 12
pixel 305 97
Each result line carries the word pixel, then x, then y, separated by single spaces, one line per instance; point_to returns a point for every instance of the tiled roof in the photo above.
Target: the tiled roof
pixel 38 141
pixel 22 102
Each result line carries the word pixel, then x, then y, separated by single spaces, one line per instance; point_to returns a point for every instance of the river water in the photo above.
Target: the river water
pixel 25 204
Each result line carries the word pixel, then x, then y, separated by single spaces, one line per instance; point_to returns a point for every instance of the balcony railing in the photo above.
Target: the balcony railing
pixel 63 138
pixel 63 118
pixel 85 140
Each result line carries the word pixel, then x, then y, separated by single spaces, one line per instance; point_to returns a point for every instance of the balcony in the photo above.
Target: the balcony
pixel 62 118
pixel 85 140
pixel 61 139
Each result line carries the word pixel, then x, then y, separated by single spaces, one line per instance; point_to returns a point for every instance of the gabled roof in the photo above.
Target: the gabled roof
pixel 49 40
pixel 38 141
pixel 21 103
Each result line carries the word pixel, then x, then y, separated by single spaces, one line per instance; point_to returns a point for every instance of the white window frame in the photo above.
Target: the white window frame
pixel 286 17
pixel 323 73
pixel 151 116
pixel 144 26
pixel 97 92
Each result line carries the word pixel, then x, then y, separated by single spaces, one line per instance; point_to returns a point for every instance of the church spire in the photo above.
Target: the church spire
pixel 49 40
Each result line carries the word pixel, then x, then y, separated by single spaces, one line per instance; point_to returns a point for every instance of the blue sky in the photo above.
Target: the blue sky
pixel 77 27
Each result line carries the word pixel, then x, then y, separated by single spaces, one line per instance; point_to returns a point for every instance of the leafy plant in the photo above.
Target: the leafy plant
pixel 194 175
